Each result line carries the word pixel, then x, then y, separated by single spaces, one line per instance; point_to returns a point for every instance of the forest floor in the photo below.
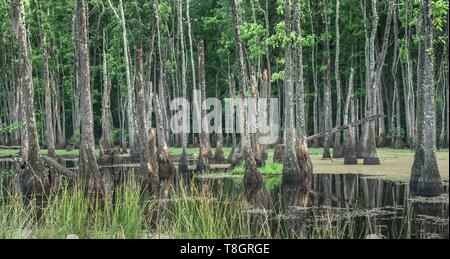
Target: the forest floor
pixel 395 163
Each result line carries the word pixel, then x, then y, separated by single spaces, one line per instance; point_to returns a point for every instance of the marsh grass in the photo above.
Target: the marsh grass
pixel 189 212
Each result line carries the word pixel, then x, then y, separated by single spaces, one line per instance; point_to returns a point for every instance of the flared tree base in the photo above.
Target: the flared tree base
pixel 337 152
pixel 203 163
pixel 350 161
pixel 166 166
pixel 278 154
pixel 219 157
pixel 372 161
pixel 326 153
pixel 183 169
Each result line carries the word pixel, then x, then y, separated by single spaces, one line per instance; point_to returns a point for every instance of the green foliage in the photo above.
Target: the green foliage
pixel 75 139
pixel 210 21
pixel 252 33
pixel 393 133
pixel 277 76
pixel 10 128
pixel 268 169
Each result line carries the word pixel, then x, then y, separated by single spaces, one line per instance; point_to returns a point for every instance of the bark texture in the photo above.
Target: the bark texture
pixel 89 170
pixel 33 183
pixel 425 177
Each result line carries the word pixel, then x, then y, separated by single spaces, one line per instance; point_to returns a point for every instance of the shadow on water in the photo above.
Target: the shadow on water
pixel 339 205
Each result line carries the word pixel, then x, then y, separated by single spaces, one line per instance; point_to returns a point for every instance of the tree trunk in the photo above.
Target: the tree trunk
pixel 397 140
pixel 148 176
pixel 88 162
pixel 166 167
pixel 425 177
pixel 130 86
pixel 219 156
pixel 105 141
pixel 327 91
pixel 409 87
pixel 300 88
pixel 242 77
pixel 371 155
pixel 183 165
pixel 337 149
pixel 314 75
pixel 297 166
pixel 349 147
pixel 232 86
pixel 205 146
pixel 48 99
pixel 33 183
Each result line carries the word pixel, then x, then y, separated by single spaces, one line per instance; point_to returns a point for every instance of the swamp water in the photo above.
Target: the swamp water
pixel 340 206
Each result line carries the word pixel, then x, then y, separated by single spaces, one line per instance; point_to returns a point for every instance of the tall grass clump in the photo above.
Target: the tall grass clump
pixel 194 213
pixel 69 212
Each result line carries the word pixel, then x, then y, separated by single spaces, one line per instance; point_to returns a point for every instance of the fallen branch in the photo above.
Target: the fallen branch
pixel 10 147
pixel 59 169
pixel 351 125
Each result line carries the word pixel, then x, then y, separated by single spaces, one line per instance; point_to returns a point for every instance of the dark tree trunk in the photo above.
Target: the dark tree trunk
pixel 205 146
pixel 425 177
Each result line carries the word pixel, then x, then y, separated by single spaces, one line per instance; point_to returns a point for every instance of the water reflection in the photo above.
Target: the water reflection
pixel 345 205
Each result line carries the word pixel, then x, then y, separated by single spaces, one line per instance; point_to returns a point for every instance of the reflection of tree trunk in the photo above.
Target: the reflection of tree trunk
pixel 428 229
pixel 293 196
pixel 349 189
pixel 316 190
pixel 380 193
pixel 338 186
pixel 327 183
pixel 369 190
